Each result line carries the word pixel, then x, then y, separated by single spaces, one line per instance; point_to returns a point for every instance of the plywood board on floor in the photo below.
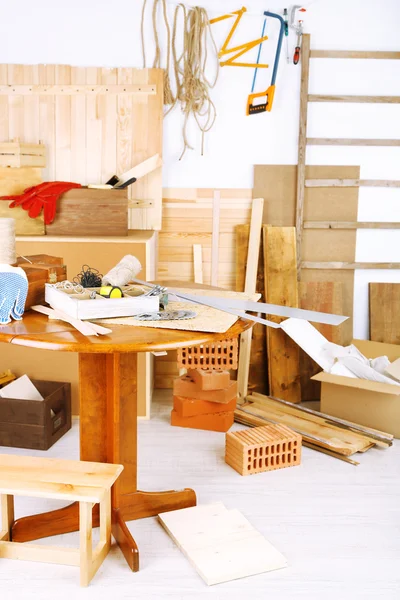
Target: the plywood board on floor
pixel 384 312
pixel 221 544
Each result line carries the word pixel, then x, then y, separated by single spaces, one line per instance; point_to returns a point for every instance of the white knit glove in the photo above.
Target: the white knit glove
pixel 13 293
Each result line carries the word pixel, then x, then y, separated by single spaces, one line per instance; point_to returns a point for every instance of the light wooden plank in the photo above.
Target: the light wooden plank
pixel 302 146
pixel 373 54
pixel 215 237
pixel 357 99
pixel 63 127
pixel 93 130
pixel 384 312
pixel 31 106
pixel 351 142
pixel 7 516
pixel 85 542
pixel 125 134
pixel 349 225
pixel 389 183
pixel 78 129
pixel 4 136
pixel 250 283
pixel 107 110
pixel 220 544
pixel 351 266
pixel 280 277
pixel 198 263
pixel 16 105
pixel 40 553
pixel 61 89
pixel 47 121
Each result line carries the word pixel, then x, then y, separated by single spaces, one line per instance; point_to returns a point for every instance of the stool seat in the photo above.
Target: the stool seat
pixel 85 482
pixel 55 478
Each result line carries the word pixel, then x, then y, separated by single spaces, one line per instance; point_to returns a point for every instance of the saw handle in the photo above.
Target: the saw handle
pixel 296 55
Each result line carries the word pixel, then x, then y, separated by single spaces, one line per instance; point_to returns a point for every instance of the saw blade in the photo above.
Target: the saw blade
pixel 166 315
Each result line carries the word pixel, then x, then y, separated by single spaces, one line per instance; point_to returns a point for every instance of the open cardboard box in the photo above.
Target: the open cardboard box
pixel 368 403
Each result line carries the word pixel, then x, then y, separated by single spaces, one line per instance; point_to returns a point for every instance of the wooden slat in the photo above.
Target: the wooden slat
pixel 215 238
pixel 280 272
pixel 15 105
pixel 380 54
pixel 351 266
pixel 40 553
pixel 357 99
pixel 384 312
pixel 63 127
pixel 47 121
pixel 107 110
pixel 302 146
pixel 250 283
pixel 349 225
pixel 61 89
pixel 389 183
pixel 78 129
pixel 93 130
pixel 351 142
pixel 198 263
pixel 31 106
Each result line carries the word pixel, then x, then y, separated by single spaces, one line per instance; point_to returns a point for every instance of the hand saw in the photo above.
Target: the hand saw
pixel 237 307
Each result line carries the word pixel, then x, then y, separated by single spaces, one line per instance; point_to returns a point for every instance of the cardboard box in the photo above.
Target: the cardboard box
pixel 368 403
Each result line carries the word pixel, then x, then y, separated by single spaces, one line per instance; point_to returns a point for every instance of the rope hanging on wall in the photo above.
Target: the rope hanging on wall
pixel 7 242
pixel 191 82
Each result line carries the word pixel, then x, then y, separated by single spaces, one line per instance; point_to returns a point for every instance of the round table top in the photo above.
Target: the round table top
pixel 37 331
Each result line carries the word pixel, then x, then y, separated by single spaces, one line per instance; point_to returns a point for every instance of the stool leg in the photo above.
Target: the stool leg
pixel 105 519
pixel 7 516
pixel 85 530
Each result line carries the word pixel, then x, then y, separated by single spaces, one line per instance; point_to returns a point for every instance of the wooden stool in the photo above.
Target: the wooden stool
pixel 85 482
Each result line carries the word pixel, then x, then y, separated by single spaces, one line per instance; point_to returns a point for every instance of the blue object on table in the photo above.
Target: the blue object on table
pixel 13 293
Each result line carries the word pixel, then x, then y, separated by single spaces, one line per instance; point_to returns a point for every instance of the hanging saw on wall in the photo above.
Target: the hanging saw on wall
pixel 253 109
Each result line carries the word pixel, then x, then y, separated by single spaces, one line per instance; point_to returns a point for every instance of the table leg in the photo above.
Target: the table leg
pixel 108 433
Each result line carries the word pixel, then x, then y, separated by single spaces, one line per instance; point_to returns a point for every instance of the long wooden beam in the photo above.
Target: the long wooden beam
pixel 355 54
pixel 321 183
pixel 349 225
pixel 348 266
pixel 358 99
pixel 302 147
pixel 351 142
pixel 75 90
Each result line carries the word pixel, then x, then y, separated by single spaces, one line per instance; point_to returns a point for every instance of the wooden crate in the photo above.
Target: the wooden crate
pixel 17 155
pixel 91 212
pixel 36 424
pixel 262 449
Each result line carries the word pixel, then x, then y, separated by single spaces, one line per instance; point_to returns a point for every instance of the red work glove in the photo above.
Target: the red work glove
pixel 43 196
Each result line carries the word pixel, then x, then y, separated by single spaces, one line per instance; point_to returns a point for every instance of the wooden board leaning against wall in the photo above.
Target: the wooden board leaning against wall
pixel 92 126
pixel 188 220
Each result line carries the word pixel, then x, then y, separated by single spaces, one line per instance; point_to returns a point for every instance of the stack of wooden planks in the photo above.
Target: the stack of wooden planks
pixel 330 435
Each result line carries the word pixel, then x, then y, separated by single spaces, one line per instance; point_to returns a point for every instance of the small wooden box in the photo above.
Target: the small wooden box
pixel 36 424
pixel 41 269
pixel 91 212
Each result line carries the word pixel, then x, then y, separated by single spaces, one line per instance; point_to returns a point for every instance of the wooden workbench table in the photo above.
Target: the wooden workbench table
pixel 108 417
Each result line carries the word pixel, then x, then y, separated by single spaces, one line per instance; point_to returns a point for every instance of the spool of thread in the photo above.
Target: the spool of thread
pixel 126 270
pixel 8 254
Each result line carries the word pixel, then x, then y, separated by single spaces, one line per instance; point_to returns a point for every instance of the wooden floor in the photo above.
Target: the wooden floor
pixel 338 525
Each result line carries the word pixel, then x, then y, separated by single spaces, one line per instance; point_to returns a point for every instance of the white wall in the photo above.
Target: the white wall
pixel 101 32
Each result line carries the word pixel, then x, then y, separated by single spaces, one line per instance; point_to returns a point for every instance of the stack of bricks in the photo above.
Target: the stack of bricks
pixel 263 448
pixel 205 398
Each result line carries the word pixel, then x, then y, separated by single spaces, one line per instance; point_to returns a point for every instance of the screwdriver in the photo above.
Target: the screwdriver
pixel 285 18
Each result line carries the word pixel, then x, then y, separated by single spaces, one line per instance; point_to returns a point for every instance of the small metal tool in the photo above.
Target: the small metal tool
pixel 170 315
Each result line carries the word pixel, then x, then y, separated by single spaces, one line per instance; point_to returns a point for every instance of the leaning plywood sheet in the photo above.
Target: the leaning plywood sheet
pixel 15 181
pixel 384 312
pixel 277 185
pixel 221 544
pixel 94 122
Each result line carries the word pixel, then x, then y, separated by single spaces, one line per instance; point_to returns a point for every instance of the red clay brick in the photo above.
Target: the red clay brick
pixel 264 448
pixel 210 380
pixel 187 407
pixel 186 387
pixel 215 355
pixel 218 422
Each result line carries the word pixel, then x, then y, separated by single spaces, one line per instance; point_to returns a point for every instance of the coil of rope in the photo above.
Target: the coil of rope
pixel 189 67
